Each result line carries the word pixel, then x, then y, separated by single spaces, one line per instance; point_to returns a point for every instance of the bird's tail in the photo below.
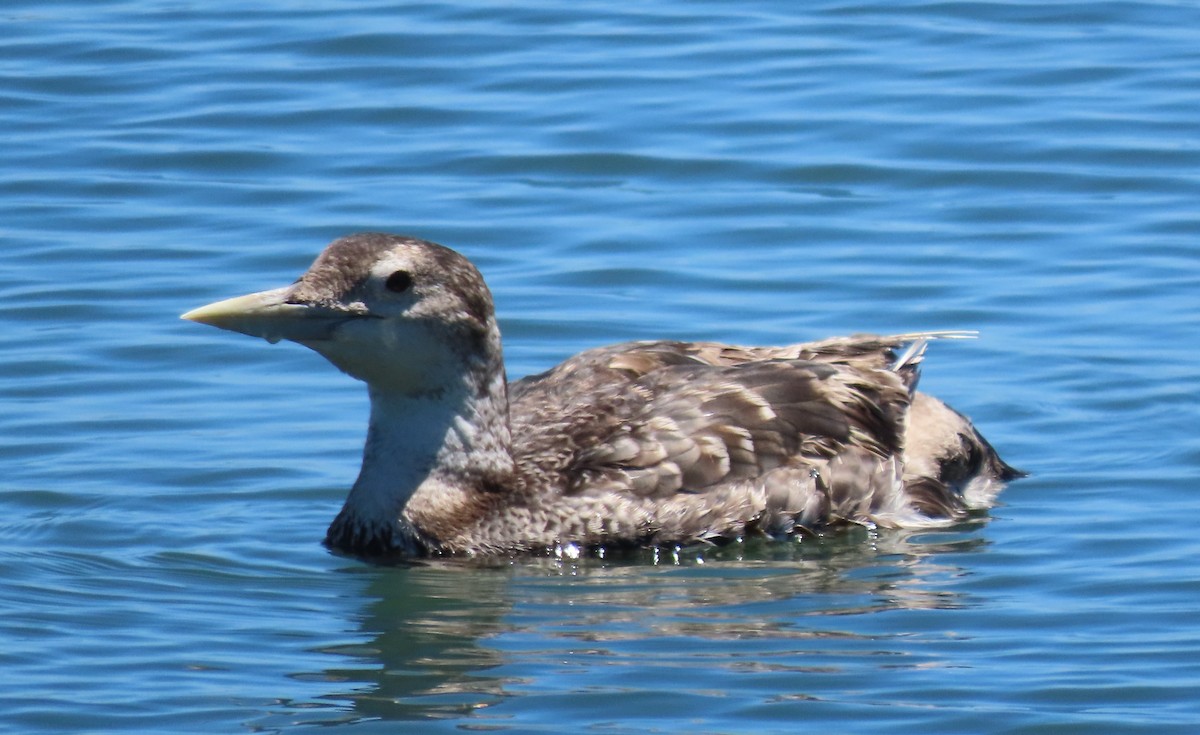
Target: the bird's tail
pixel 919 341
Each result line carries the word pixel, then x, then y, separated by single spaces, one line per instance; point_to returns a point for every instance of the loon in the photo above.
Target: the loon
pixel 650 443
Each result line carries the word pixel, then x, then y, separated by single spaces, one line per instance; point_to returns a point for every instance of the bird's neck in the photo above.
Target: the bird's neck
pixel 431 461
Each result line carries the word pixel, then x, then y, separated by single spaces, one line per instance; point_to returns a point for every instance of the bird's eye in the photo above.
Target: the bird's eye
pixel 399 282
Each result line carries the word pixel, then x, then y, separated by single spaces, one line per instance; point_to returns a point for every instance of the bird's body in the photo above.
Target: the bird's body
pixel 642 443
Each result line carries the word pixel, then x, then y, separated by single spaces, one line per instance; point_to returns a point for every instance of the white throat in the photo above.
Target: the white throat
pixel 426 458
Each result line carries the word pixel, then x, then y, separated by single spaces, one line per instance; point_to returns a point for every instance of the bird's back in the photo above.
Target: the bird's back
pixel 672 441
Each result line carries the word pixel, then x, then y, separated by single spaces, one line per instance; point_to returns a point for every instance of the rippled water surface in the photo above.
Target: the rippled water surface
pixel 758 172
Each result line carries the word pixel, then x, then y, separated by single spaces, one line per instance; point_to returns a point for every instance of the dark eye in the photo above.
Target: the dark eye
pixel 399 282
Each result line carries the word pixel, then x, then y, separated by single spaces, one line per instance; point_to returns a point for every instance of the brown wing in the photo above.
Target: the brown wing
pixel 592 369
pixel 672 441
pixel 657 419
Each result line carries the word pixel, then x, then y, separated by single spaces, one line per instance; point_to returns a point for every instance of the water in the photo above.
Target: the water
pixel 756 172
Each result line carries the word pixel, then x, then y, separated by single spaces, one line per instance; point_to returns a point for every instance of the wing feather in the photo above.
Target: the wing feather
pixel 669 418
pixel 674 441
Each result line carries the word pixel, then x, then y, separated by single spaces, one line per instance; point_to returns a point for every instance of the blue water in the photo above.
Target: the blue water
pixel 758 172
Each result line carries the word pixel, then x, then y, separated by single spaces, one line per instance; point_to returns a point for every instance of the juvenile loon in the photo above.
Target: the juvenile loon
pixel 641 443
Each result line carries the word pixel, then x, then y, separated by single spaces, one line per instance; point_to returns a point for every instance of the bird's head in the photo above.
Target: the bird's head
pixel 402 314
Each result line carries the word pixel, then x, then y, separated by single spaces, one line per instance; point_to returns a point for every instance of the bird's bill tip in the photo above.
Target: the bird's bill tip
pixel 264 314
pixel 219 313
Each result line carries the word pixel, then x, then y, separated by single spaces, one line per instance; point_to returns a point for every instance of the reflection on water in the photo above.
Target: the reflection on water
pixel 452 638
pixel 427 629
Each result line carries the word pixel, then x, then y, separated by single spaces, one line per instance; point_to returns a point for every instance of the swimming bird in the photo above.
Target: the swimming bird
pixel 642 443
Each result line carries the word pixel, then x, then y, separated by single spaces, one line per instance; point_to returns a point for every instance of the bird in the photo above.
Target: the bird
pixel 642 444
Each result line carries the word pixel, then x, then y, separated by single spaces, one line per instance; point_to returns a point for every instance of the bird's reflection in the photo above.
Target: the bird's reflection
pixel 451 639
